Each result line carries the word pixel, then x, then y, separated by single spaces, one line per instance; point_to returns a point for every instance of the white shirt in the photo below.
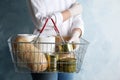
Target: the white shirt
pixel 43 8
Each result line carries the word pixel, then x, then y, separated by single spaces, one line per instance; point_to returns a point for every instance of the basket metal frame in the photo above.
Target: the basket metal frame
pixel 80 53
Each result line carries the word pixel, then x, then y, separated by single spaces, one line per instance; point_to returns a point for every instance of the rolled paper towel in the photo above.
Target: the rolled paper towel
pixel 29 54
pixel 28 37
pixel 46 44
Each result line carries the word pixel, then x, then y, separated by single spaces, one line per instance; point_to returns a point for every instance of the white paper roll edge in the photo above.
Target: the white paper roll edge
pixel 48 45
pixel 29 37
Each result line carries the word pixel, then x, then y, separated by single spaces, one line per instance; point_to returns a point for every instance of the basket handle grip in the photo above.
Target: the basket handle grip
pixel 55 28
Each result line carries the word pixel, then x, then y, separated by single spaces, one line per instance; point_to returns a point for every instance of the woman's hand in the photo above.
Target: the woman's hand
pixel 75 38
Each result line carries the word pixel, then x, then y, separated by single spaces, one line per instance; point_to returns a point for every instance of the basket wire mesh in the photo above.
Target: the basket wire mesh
pixel 57 60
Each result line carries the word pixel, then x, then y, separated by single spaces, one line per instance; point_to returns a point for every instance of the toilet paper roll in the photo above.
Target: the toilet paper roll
pixel 28 37
pixel 46 44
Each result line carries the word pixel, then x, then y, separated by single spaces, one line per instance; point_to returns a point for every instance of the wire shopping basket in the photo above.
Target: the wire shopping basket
pixel 27 58
pixel 38 57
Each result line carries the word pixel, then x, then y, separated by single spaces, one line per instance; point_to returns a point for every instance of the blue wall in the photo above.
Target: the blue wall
pixel 102 21
pixel 14 18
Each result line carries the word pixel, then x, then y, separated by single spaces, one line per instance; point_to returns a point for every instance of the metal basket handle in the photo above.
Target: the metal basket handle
pixel 55 28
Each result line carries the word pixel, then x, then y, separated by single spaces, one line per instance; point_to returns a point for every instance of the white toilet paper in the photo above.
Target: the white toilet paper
pixel 46 44
pixel 29 37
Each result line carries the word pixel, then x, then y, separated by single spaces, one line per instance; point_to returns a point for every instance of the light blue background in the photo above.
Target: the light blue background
pixel 102 22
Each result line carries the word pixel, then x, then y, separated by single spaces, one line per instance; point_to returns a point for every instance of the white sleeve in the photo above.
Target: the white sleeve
pixel 78 23
pixel 36 11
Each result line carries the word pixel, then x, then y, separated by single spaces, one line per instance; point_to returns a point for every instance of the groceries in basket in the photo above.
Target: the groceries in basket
pixel 45 44
pixel 67 65
pixel 66 59
pixel 71 46
pixel 65 50
pixel 46 54
pixel 52 62
pixel 29 54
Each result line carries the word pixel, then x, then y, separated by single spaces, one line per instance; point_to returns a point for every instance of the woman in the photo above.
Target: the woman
pixel 67 16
